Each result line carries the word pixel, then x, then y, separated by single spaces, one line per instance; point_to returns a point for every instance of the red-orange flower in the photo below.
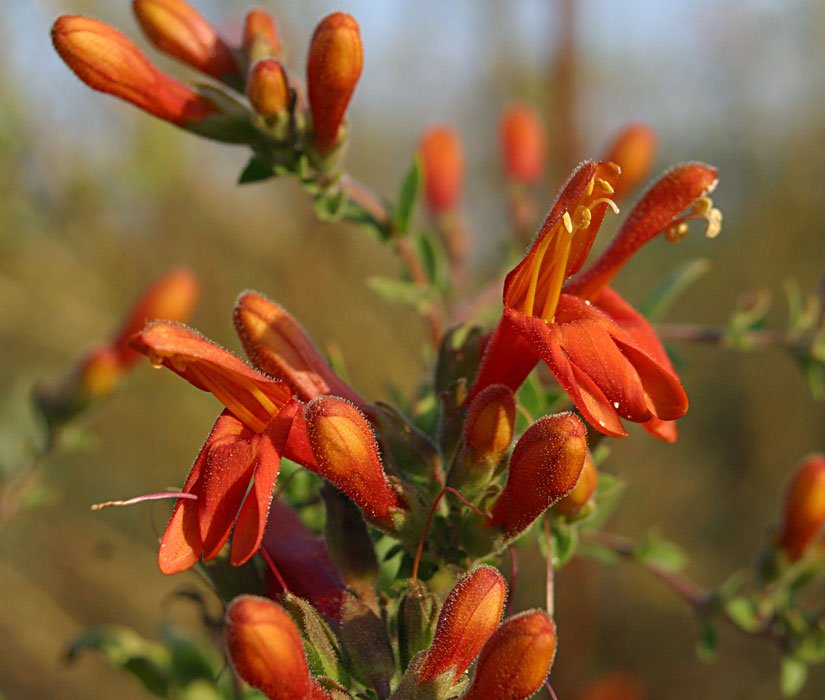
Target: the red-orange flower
pixel 603 352
pixel 107 61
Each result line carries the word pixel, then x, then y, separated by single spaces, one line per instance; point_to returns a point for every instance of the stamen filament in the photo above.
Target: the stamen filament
pixel 530 298
pixel 145 497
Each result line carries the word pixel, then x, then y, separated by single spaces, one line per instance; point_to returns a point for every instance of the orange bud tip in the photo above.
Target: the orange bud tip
pixel 177 29
pixel 267 87
pixel 260 35
pixel 634 151
pixel 333 69
pixel 575 501
pixel 107 61
pixel 488 428
pixel 523 143
pixel 442 159
pixel 803 516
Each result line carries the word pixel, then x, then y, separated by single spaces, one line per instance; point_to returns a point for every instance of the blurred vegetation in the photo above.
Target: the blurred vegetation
pixel 96 200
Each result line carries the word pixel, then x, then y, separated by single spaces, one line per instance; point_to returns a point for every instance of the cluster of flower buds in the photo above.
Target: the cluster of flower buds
pixel 173 297
pixel 257 102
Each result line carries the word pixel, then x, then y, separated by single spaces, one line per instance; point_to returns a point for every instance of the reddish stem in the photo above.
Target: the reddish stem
pixel 273 569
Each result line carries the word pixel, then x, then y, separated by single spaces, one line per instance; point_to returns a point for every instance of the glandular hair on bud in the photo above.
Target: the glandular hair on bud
pixel 544 467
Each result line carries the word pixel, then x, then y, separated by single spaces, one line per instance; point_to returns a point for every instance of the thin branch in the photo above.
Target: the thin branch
pixel 697 333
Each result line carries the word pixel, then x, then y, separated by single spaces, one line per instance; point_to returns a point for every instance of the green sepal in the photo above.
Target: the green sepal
pixel 458 357
pixel 416 621
pixel 324 655
pixel 256 170
pixel 367 645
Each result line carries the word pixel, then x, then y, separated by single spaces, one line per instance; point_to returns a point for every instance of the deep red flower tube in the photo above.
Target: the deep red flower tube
pixel 469 616
pixel 333 69
pixel 107 61
pixel 516 659
pixel 180 31
pixel 266 650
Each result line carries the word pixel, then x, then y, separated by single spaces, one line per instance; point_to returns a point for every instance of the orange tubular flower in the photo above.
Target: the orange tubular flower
pixel 442 159
pixel 333 68
pixel 178 30
pixel 603 352
pixel 107 61
pixel 515 660
pixel 633 150
pixel 523 143
pixel 470 615
pixel 267 651
pixel 804 512
pixel 246 444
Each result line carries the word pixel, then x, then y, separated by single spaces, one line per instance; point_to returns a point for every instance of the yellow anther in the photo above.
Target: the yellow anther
pixel 604 185
pixel 676 232
pixel 613 167
pixel 590 187
pixel 714 219
pixel 582 217
pixel 568 222
pixel 702 205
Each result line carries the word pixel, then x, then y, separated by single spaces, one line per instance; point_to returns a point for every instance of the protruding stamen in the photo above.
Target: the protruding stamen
pixel 676 232
pixel 702 206
pixel 147 497
pixel 568 222
pixel 604 185
pixel 714 219
pixel 582 217
pixel 608 201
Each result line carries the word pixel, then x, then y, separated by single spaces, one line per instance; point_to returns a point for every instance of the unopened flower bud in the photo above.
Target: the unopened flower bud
pixel 544 467
pixel 171 297
pixel 575 501
pixel 177 29
pixel 266 649
pixel 417 617
pixel 803 518
pixel 516 659
pixel 442 159
pixel 333 68
pixel 364 636
pixel 260 35
pixel 276 343
pixel 267 87
pixel 634 151
pixel 523 143
pixel 99 373
pixel 347 455
pixel 469 616
pixel 107 61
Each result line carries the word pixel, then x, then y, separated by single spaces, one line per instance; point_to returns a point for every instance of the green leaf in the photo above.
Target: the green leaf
pixel 149 662
pixel 793 674
pixel 408 196
pixel 655 550
pixel 200 690
pixel 401 292
pixel 743 612
pixel 565 540
pixel 190 661
pixel 814 372
pixel 255 170
pixel 668 291
pixel 708 638
pixel 434 258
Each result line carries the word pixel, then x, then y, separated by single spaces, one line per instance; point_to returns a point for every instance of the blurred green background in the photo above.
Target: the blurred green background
pixel 98 199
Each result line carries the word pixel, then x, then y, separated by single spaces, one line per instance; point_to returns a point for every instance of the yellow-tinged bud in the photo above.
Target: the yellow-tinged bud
pixel 99 373
pixel 545 465
pixel 573 503
pixel 260 35
pixel 803 518
pixel 347 455
pixel 333 68
pixel 516 659
pixel 442 159
pixel 634 151
pixel 107 61
pixel 469 616
pixel 177 29
pixel 266 649
pixel 267 87
pixel 171 297
pixel 491 420
pixel 523 143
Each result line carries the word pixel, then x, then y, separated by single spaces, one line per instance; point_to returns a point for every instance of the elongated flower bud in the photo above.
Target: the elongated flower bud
pixel 99 373
pixel 442 159
pixel 633 150
pixel 260 36
pixel 276 343
pixel 266 649
pixel 470 614
pixel 333 68
pixel 177 29
pixel 544 467
pixel 575 501
pixel 515 660
pixel 522 142
pixel 803 517
pixel 267 87
pixel 107 61
pixel 171 297
pixel 344 447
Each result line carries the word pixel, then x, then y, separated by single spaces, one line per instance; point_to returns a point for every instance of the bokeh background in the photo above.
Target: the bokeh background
pixel 97 199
